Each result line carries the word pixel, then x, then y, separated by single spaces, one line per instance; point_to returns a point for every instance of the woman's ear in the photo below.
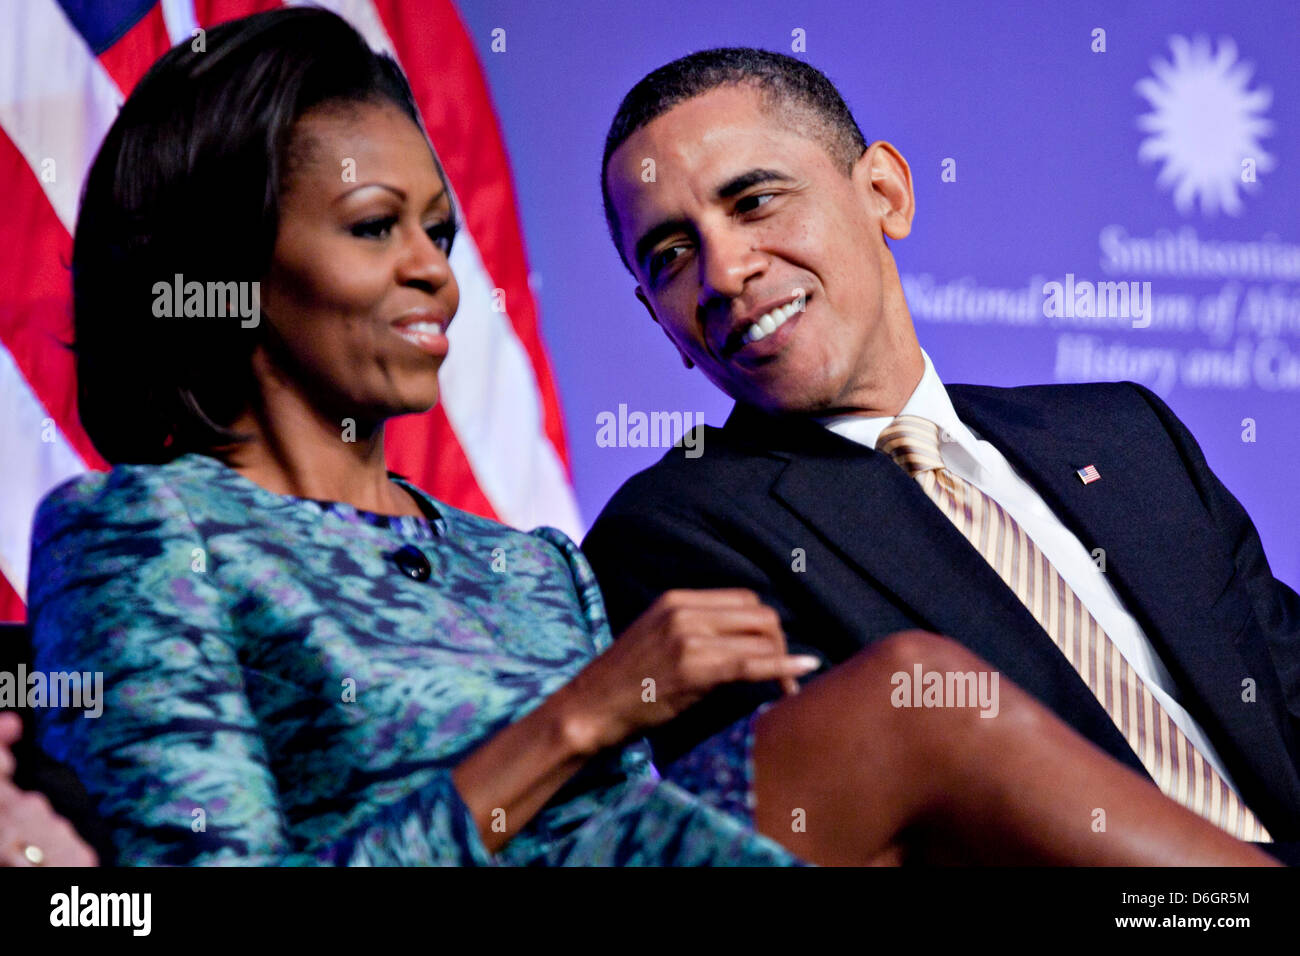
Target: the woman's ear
pixel 885 182
pixel 640 294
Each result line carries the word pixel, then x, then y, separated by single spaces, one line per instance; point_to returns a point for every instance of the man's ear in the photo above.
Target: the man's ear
pixel 885 181
pixel 640 294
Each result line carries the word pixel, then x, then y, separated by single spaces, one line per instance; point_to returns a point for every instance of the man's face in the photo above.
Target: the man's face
pixel 744 219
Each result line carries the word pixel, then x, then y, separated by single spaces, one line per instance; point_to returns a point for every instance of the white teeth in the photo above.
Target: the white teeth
pixel 426 328
pixel 769 322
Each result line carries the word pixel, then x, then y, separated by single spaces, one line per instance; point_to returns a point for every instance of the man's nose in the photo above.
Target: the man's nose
pixel 727 261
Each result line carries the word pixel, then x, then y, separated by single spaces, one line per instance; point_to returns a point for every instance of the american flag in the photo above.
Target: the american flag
pixel 1089 475
pixel 493 445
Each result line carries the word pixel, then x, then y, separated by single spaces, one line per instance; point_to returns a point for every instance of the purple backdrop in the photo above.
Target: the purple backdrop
pixel 1055 174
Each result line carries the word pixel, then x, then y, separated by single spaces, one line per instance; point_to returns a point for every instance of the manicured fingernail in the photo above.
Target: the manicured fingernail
pixel 806 662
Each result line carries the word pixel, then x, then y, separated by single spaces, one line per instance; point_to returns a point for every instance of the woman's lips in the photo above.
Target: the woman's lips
pixel 426 336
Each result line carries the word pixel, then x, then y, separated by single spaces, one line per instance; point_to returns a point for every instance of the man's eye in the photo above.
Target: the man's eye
pixel 443 235
pixel 377 228
pixel 750 203
pixel 664 258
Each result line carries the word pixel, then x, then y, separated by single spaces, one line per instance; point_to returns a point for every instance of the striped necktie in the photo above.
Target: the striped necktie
pixel 1176 766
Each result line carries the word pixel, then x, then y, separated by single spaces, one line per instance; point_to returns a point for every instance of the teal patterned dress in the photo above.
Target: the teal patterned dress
pixel 277 691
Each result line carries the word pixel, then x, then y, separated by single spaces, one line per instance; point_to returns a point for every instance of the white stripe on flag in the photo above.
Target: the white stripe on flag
pixel 492 400
pixel 180 19
pixel 56 100
pixel 487 386
pixel 32 467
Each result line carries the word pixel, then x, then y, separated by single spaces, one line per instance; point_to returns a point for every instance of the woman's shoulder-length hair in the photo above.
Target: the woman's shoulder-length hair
pixel 185 189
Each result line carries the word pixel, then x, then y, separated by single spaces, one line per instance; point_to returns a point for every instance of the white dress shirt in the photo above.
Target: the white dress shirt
pixel 978 462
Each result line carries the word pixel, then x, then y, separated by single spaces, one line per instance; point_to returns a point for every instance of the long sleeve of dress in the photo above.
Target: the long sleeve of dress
pixel 120 591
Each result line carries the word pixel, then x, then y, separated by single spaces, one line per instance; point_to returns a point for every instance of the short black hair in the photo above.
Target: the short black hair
pixel 189 180
pixel 784 81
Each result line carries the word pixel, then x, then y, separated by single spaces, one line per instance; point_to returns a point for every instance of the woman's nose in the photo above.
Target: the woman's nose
pixel 424 261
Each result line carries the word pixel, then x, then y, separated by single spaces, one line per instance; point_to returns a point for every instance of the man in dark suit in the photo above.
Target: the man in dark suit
pixel 1073 536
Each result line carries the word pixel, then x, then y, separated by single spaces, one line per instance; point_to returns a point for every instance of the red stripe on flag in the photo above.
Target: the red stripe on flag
pixel 426 450
pixel 209 13
pixel 453 97
pixel 11 607
pixel 128 59
pixel 36 307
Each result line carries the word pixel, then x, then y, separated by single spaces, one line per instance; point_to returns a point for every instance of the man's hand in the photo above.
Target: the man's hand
pixel 31 833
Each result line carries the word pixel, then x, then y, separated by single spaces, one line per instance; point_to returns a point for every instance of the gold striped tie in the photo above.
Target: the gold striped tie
pixel 1180 771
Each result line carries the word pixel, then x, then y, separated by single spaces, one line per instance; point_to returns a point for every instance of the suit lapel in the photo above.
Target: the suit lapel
pixel 1168 569
pixel 881 520
pixel 1124 515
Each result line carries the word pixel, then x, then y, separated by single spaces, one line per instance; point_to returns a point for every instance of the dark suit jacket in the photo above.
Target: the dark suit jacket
pixel 1180 551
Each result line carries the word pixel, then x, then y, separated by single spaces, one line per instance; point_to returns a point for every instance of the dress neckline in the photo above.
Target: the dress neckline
pixel 428 525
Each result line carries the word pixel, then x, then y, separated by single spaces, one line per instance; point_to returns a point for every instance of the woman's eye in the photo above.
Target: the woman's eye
pixel 377 228
pixel 750 203
pixel 443 235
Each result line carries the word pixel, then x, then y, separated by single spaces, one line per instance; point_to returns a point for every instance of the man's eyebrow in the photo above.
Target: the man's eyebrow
pixel 751 177
pixel 737 184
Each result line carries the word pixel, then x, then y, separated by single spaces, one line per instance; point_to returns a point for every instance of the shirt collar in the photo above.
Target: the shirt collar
pixel 928 400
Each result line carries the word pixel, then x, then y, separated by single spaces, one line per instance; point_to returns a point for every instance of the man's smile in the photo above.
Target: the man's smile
pixel 758 338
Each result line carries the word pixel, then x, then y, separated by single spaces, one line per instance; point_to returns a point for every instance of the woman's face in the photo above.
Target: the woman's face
pixel 359 293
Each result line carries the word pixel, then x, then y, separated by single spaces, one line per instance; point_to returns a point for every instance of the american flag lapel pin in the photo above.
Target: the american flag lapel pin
pixel 1089 475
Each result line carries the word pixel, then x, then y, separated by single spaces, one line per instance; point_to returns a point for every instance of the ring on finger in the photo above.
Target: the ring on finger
pixel 32 853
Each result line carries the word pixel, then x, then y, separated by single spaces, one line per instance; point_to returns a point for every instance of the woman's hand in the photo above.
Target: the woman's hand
pixel 684 645
pixel 687 643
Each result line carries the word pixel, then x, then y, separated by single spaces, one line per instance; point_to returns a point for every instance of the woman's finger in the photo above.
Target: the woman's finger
pixel 731 659
pixel 758 620
pixel 788 666
pixel 712 597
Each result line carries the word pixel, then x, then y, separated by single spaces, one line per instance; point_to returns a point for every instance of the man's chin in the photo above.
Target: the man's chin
pixel 780 392
pixel 783 402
